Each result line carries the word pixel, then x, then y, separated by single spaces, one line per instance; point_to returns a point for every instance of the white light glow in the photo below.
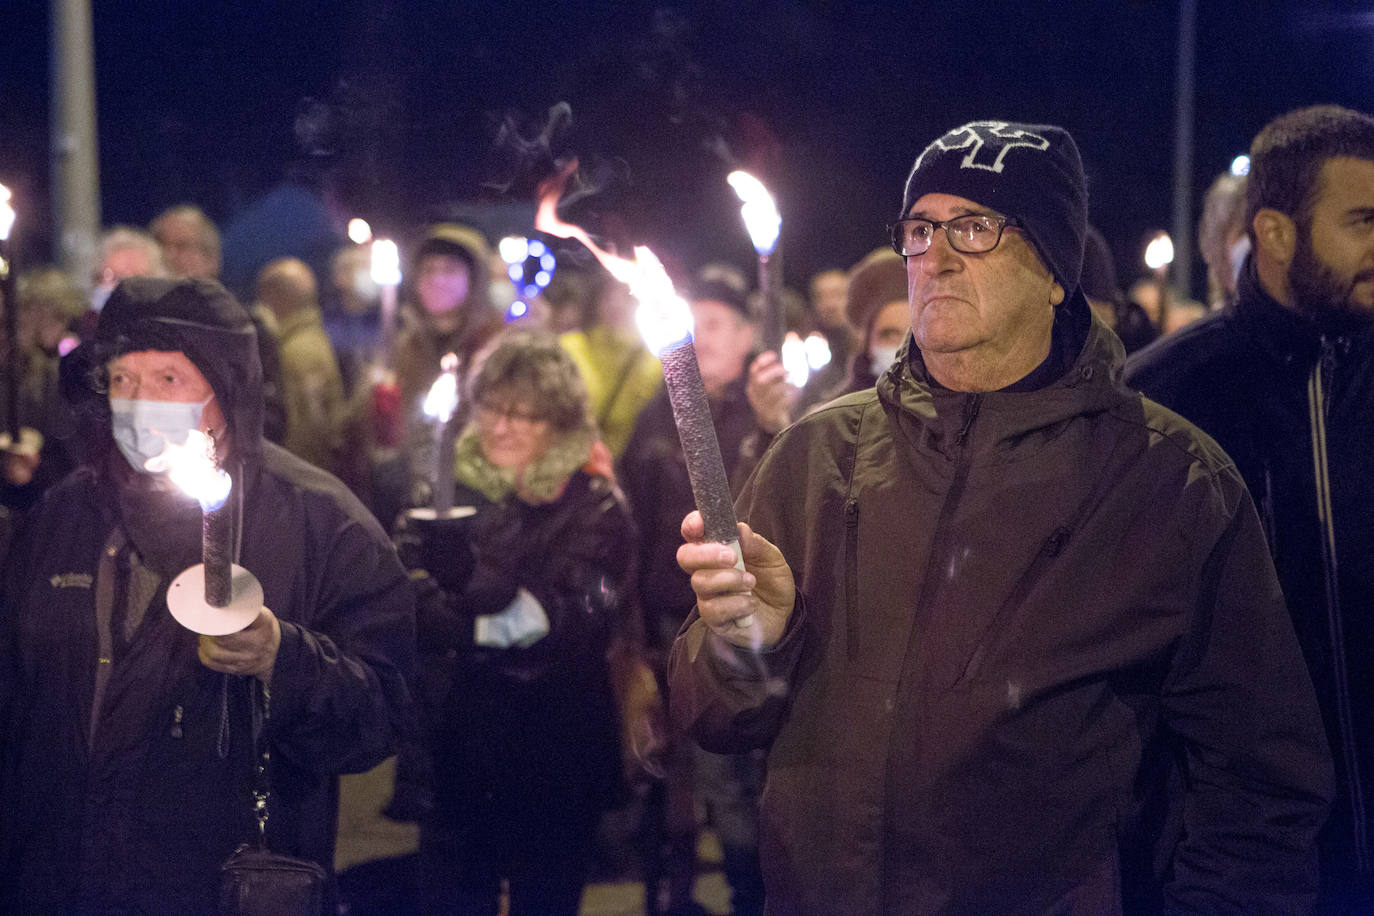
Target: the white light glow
pixel 442 399
pixel 386 263
pixel 7 214
pixel 359 232
pixel 192 467
pixel 1160 251
pixel 817 352
pixel 794 361
pixel 1240 166
pixel 514 249
pixel 760 213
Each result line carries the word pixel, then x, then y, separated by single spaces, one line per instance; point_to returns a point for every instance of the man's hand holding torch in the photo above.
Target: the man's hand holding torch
pixel 726 594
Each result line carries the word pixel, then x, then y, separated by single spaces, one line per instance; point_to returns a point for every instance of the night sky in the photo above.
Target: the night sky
pixel 434 107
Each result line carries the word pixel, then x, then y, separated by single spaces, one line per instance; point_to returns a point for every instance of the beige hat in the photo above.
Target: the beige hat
pixel 875 281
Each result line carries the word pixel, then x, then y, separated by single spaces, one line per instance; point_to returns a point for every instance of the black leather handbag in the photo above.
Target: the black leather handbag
pixel 255 881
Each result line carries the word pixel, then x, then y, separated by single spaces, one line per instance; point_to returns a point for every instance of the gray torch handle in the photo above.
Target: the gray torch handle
pixel 692 414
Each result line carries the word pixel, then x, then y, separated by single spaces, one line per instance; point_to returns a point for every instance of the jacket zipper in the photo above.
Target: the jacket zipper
pixel 1317 407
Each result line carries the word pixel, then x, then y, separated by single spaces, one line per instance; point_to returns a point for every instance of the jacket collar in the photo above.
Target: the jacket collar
pixel 1091 384
pixel 1287 337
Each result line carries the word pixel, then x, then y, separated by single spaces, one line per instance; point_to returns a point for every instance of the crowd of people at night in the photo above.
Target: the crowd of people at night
pixel 1051 594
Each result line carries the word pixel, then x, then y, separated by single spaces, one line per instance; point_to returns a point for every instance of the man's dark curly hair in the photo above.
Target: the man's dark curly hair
pixel 1286 158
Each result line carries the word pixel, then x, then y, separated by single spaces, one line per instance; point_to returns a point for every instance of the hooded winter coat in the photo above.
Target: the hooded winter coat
pixel 1014 610
pixel 127 764
pixel 1293 404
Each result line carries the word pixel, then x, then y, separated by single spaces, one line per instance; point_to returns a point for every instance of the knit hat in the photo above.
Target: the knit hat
pixel 1029 171
pixel 875 281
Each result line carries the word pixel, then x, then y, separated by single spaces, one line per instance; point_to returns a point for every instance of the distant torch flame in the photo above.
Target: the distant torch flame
pixel 386 263
pixel 760 213
pixel 1159 252
pixel 6 214
pixel 663 317
pixel 192 467
pixel 359 232
pixel 794 360
pixel 442 399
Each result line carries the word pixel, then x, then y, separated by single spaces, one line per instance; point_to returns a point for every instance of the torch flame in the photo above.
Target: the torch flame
pixel 386 263
pixel 192 467
pixel 794 361
pixel 6 214
pixel 359 232
pixel 760 213
pixel 1159 252
pixel 663 317
pixel 442 399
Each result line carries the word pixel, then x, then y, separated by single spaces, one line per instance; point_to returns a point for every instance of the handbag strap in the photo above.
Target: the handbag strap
pixel 262 756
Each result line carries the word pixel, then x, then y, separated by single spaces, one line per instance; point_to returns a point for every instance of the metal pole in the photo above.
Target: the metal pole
pixel 75 159
pixel 1183 148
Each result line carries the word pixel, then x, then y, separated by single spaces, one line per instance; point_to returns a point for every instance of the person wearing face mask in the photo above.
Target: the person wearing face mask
pixel 876 302
pixel 127 751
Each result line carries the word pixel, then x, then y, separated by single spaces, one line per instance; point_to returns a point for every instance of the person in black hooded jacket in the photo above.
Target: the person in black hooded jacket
pixel 1283 379
pixel 126 740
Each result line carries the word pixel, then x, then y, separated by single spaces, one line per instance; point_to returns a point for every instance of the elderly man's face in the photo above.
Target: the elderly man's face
pixel 184 249
pixel 997 304
pixel 164 375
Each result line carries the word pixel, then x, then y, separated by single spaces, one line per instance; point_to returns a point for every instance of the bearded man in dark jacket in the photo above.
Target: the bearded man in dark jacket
pixel 989 604
pixel 127 742
pixel 1284 380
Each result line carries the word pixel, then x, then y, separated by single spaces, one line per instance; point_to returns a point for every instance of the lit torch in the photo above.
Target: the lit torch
pixel 386 273
pixel 7 216
pixel 1159 254
pixel 215 597
pixel 763 222
pixel 665 322
pixel 440 404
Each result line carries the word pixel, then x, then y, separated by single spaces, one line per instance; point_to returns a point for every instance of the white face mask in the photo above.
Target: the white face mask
pixel 100 294
pixel 142 429
pixel 883 357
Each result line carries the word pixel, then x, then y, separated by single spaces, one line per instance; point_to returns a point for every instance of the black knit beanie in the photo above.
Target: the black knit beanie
pixel 1029 171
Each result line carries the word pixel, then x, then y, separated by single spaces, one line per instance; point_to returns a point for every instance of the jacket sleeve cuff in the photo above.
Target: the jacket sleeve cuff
pixel 287 688
pixel 732 662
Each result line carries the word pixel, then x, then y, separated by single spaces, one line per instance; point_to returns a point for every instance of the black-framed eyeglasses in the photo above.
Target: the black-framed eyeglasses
pixel 972 234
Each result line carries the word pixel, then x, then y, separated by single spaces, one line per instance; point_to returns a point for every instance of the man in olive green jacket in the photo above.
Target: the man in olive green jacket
pixel 992 606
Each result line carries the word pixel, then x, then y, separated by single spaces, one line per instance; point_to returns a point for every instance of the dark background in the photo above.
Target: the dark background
pixel 829 102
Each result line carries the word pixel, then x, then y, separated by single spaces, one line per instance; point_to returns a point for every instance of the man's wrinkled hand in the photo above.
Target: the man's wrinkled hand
pixel 252 650
pixel 728 596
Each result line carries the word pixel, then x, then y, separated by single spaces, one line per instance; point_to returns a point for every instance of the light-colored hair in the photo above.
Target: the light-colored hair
pixel 51 291
pixel 530 364
pixel 123 238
